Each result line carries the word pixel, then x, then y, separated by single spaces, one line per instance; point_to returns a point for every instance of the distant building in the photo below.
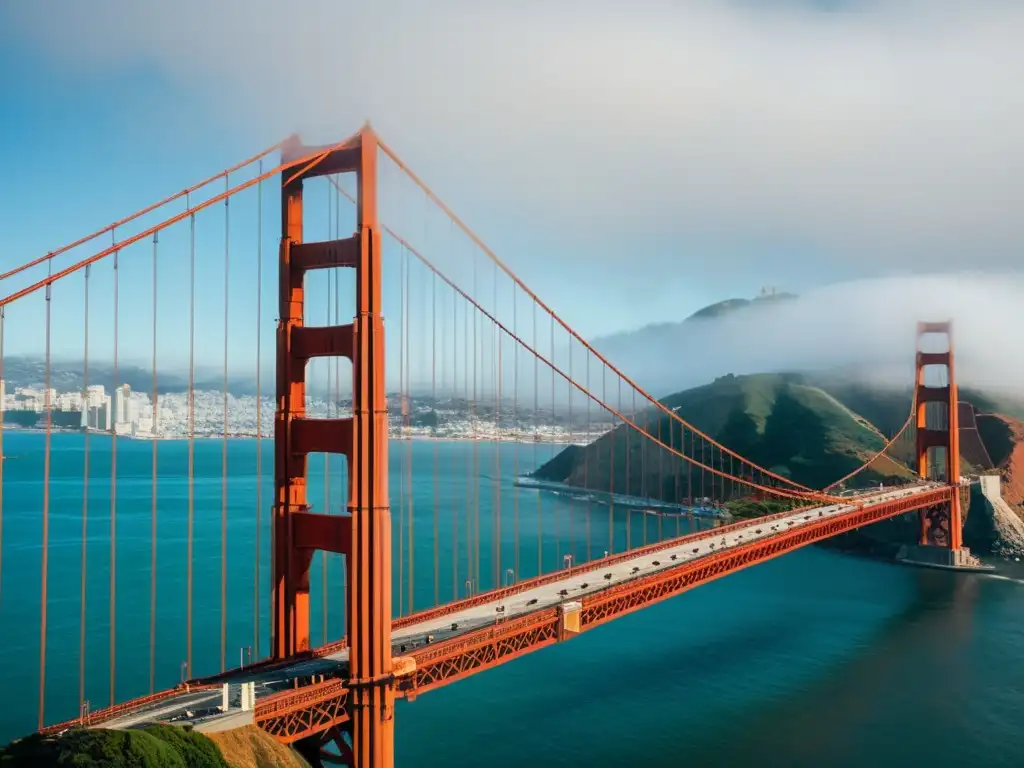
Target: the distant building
pixel 122 396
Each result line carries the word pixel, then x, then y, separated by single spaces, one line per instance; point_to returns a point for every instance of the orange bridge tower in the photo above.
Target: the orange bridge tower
pixel 938 437
pixel 364 534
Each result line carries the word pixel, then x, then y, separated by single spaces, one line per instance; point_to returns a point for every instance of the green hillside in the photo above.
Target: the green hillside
pixel 728 306
pixel 887 408
pixel 779 421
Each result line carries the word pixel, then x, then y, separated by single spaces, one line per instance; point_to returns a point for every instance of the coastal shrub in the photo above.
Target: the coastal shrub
pixel 96 748
pixel 196 749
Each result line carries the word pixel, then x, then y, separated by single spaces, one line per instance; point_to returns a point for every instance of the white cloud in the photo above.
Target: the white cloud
pixel 866 326
pixel 885 136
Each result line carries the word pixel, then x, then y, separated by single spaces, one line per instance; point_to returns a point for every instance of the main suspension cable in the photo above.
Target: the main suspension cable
pixel 494 257
pixel 148 209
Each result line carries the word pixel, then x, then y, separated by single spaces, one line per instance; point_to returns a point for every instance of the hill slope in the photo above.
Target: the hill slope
pixel 779 421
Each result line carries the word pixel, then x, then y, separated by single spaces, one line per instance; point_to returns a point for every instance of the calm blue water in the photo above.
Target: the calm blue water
pixel 812 659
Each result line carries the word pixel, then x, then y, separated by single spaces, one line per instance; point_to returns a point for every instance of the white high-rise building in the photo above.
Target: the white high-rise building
pixel 95 393
pixel 106 408
pixel 3 395
pixel 122 397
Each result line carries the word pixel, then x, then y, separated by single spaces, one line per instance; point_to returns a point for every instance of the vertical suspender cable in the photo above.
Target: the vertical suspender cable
pixel 47 404
pixel 496 482
pixel 455 390
pixel 153 492
pixel 626 464
pixel 731 472
pixel 85 492
pixel 660 480
pixel 469 460
pixel 433 408
pixel 586 456
pixel 408 444
pixel 476 461
pixel 337 383
pixel 611 465
pixel 554 421
pixel 191 441
pixel 3 407
pixel 645 491
pixel 224 446
pixel 518 434
pixel 703 490
pixel 689 480
pixel 629 488
pixel 678 491
pixel 113 504
pixel 402 341
pixel 571 533
pixel 331 234
pixel 721 469
pixel 259 419
pixel 536 438
pixel 673 497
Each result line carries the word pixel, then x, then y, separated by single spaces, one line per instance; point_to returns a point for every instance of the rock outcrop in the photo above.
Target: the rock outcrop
pixel 1007 525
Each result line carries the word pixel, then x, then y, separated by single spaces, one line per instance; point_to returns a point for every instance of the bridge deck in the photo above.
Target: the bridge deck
pixel 583 581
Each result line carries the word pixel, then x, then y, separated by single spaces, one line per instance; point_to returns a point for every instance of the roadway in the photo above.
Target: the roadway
pixel 200 708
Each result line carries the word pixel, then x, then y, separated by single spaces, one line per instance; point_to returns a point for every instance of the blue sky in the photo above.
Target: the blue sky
pixel 95 146
pixel 632 168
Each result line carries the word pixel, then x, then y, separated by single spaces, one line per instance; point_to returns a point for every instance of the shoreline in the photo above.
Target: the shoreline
pixel 653 507
pixel 253 436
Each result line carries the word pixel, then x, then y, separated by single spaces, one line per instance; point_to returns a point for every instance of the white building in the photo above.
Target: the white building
pixel 122 395
pixel 95 394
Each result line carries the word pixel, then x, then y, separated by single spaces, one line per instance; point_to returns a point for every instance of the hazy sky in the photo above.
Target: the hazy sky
pixel 633 162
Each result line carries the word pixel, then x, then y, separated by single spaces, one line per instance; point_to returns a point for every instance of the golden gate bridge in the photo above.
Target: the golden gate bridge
pixel 455 322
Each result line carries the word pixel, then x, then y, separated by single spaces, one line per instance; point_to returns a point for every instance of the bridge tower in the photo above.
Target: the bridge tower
pixel 364 534
pixel 938 437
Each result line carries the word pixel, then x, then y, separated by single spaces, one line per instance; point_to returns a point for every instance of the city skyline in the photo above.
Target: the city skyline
pixel 129 413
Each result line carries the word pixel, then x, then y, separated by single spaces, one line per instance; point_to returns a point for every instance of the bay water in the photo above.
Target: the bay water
pixel 812 659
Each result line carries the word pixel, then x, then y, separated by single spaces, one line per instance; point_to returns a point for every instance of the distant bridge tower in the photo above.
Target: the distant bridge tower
pixel 364 534
pixel 938 435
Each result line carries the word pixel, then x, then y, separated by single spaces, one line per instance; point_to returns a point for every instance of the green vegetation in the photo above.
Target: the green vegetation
pixel 156 746
pixel 747 509
pixel 729 306
pixel 994 402
pixel 779 421
pixel 997 435
pixel 197 750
